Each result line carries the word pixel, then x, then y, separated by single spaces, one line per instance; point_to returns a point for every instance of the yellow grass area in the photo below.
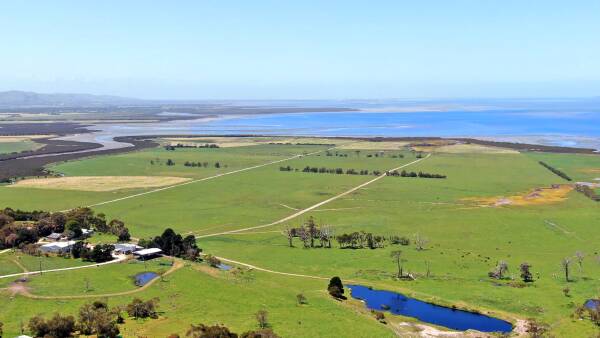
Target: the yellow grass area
pixel 370 145
pixel 545 195
pixel 20 138
pixel 99 183
pixel 229 142
pixel 590 170
pixel 461 148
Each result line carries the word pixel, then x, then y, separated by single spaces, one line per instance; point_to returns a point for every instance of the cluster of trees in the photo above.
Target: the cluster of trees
pixel 587 191
pixel 501 270
pixel 338 171
pixel 421 174
pixel 359 240
pixel 181 145
pixel 115 227
pixel 202 164
pixel 93 319
pixel 19 228
pixel 100 253
pixel 173 244
pixel 308 233
pixel 555 171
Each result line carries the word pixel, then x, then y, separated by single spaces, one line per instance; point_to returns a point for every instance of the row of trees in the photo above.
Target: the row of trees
pixel 172 147
pixel 420 174
pixel 202 164
pixel 338 171
pixel 173 244
pixel 93 319
pixel 555 171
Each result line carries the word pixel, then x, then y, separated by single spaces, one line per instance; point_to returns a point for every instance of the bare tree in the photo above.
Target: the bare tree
pixel 579 256
pixel 500 270
pixel 420 241
pixel 565 263
pixel 287 232
pixel 262 318
pixel 397 256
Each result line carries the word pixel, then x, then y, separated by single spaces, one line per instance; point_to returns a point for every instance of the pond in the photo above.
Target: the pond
pixel 143 278
pixel 224 267
pixel 400 304
pixel 592 304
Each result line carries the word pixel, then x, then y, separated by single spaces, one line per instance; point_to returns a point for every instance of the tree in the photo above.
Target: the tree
pixel 289 234
pixel 336 288
pixel 262 333
pixel 95 318
pixel 205 331
pixel 212 261
pixel 311 226
pixel 262 317
pixel 525 272
pixel 397 256
pixel 500 270
pixel 579 256
pixel 420 241
pixel 57 327
pixel 101 253
pixel 140 309
pixel 565 263
pixel 301 299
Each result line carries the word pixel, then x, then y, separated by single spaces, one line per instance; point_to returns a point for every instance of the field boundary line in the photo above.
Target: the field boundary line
pixel 314 206
pixel 203 179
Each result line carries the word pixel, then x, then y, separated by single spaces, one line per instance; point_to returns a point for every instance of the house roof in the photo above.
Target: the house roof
pixel 54 235
pixel 58 244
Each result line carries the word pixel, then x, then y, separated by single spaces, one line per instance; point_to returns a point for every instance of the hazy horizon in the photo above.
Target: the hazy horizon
pixel 267 50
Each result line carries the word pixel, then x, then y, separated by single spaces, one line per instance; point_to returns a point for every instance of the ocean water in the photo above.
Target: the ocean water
pixel 574 123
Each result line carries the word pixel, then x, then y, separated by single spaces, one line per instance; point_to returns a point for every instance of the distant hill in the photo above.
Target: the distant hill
pixel 15 98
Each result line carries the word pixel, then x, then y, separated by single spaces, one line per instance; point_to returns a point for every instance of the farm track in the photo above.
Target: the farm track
pixel 203 179
pixel 25 292
pixel 117 260
pixel 314 206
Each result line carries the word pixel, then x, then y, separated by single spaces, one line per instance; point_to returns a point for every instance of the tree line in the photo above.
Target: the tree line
pixel 338 171
pixel 172 147
pixel 555 171
pixel 420 174
pixel 313 236
pixel 191 164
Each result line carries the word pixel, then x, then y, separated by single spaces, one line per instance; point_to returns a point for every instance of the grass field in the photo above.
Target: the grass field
pixel 466 238
pixel 16 145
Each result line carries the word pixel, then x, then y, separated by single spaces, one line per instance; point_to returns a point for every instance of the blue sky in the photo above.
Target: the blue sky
pixel 302 49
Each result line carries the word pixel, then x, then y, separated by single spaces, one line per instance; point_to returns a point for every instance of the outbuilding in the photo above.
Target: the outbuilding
pixel 57 247
pixel 126 248
pixel 148 253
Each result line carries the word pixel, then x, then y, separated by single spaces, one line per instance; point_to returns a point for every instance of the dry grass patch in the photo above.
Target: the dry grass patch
pixel 7 139
pixel 368 145
pixel 229 142
pixel 545 195
pixel 462 148
pixel 99 183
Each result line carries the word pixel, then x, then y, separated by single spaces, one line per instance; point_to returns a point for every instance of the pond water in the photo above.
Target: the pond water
pixel 400 304
pixel 143 278
pixel 592 304
pixel 224 267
